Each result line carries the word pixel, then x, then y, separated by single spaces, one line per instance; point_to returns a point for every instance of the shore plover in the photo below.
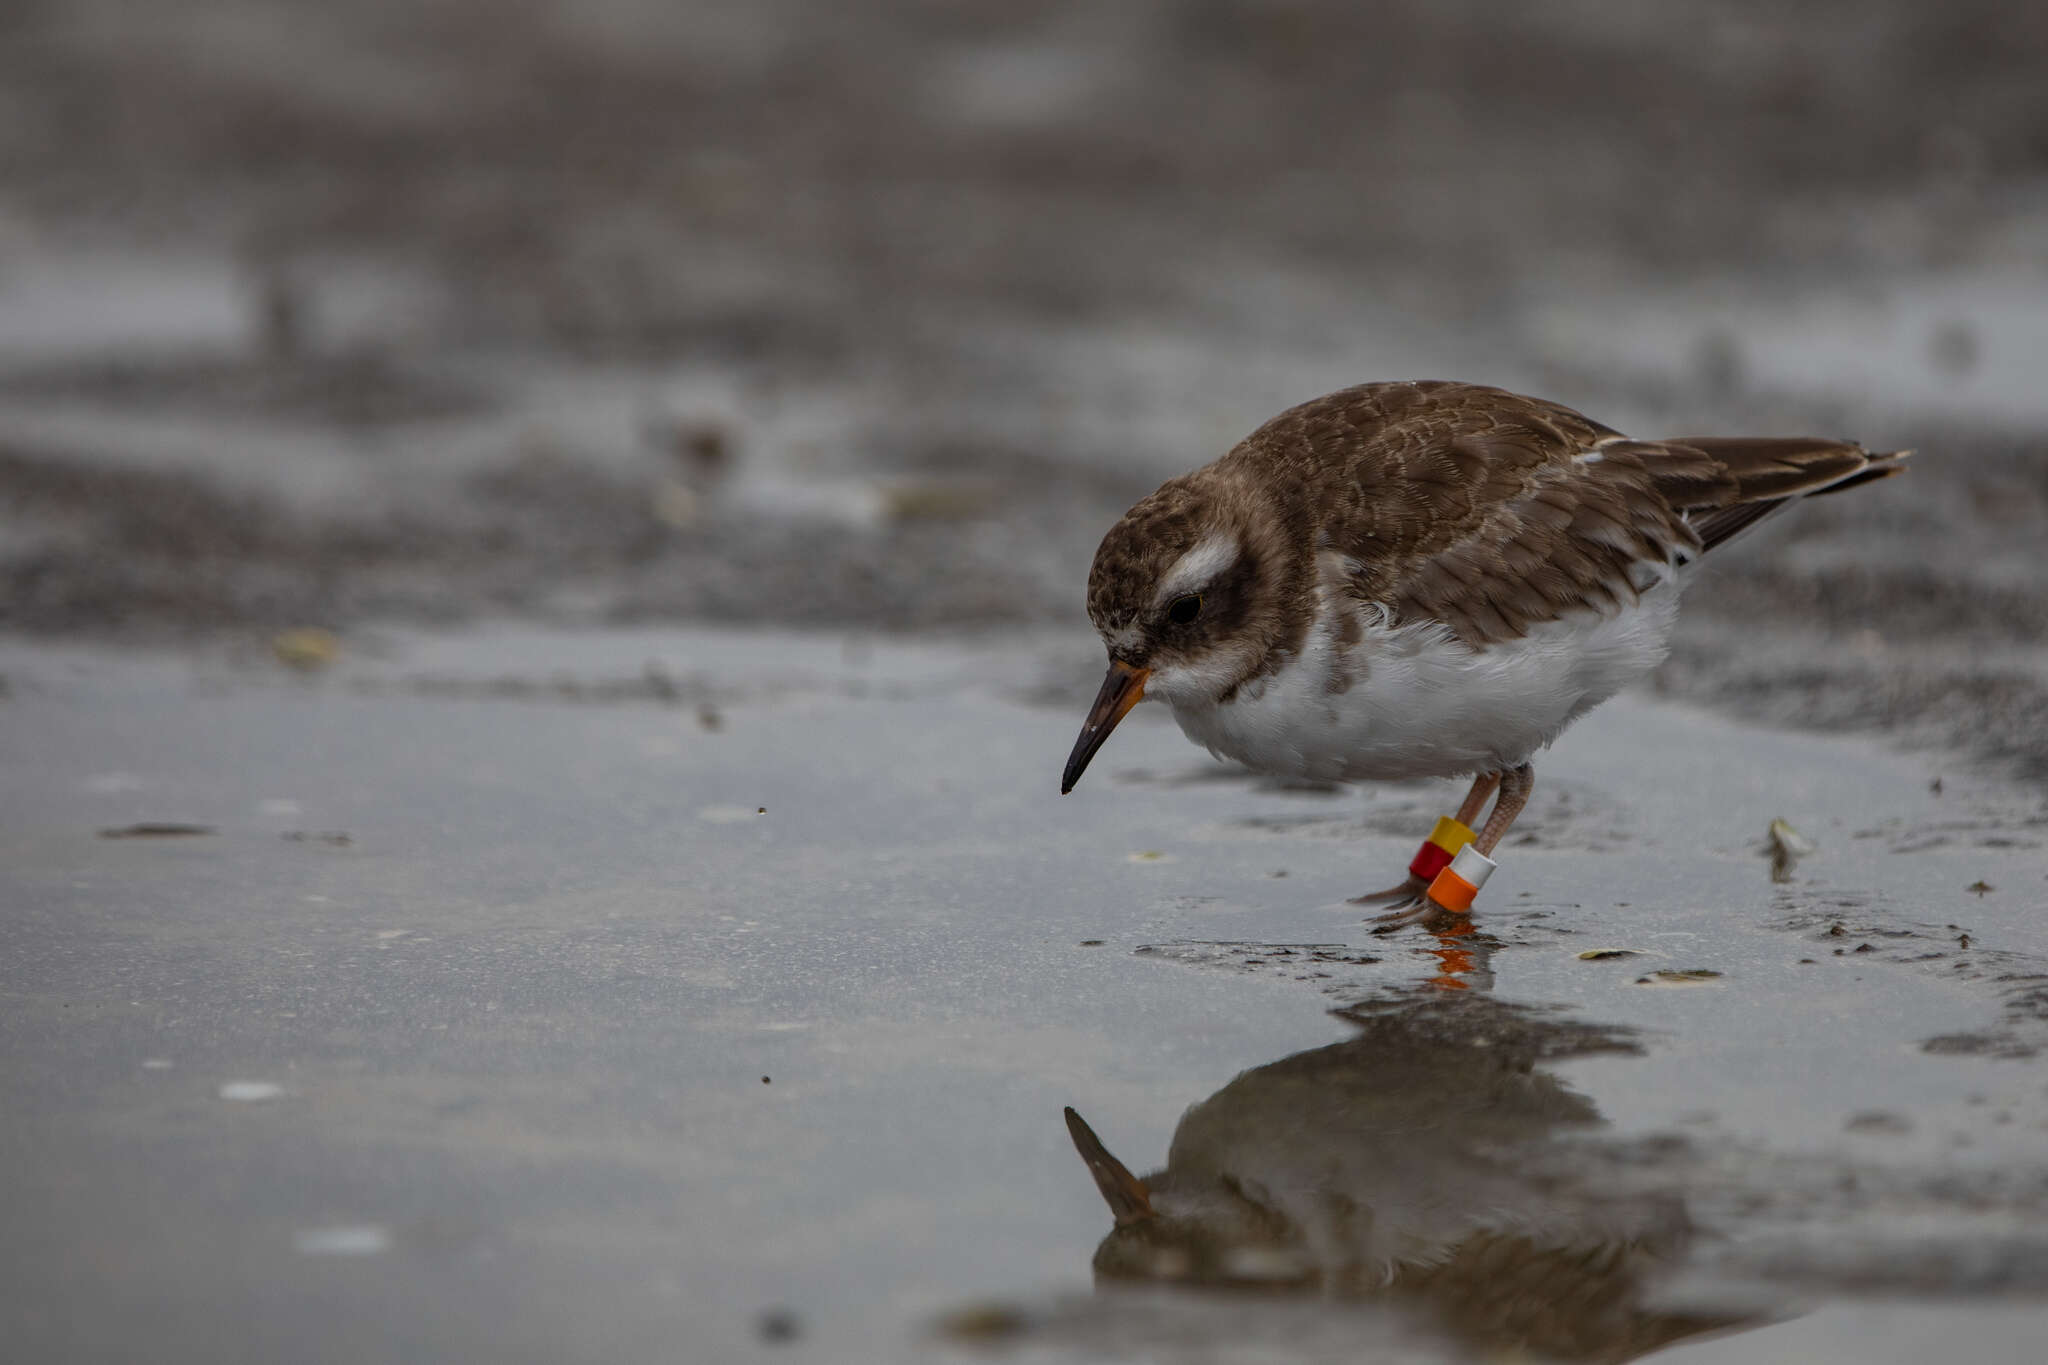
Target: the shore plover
pixel 1424 579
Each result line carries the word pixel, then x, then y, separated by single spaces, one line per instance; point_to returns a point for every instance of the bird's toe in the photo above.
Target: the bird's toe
pixel 1420 911
pixel 1401 898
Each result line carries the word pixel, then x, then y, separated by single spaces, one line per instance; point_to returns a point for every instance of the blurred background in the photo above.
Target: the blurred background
pixel 876 315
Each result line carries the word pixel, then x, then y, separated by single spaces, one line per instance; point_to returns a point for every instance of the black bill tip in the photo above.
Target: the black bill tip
pixel 1122 688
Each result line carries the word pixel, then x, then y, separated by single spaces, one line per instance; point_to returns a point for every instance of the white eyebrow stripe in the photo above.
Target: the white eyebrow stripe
pixel 1199 567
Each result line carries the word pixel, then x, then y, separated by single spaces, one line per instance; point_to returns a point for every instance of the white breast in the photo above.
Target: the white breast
pixel 1414 701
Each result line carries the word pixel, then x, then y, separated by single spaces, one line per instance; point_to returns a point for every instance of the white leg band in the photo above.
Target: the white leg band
pixel 1475 867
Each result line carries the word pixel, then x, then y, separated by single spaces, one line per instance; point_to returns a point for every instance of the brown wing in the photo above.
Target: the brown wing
pixel 1493 512
pixel 1509 1294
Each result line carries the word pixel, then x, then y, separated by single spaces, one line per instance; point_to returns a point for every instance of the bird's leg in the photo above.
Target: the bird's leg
pixel 1515 786
pixel 1408 894
pixel 1457 881
pixel 1475 799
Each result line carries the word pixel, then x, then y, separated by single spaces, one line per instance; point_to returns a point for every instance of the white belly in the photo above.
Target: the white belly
pixel 1415 702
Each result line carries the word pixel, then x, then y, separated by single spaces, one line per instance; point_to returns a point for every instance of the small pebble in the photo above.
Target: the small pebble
pixel 1877 1123
pixel 982 1324
pixel 157 829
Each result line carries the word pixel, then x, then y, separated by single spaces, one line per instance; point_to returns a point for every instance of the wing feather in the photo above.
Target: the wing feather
pixel 1494 512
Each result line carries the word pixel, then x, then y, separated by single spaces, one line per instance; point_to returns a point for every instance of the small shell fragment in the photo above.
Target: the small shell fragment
pixel 1695 976
pixel 1786 846
pixel 1790 839
pixel 306 649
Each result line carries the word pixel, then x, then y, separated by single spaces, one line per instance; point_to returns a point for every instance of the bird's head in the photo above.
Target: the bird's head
pixel 1214 1233
pixel 1193 592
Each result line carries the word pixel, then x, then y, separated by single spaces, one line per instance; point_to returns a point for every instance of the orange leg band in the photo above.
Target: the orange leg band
pixel 1455 886
pixel 1452 892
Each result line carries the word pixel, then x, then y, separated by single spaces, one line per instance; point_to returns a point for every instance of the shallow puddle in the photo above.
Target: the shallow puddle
pixel 630 1036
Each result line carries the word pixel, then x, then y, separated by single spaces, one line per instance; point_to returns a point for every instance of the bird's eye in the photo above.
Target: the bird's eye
pixel 1184 609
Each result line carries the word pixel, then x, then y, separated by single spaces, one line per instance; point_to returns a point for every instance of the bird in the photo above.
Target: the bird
pixel 1423 579
pixel 1427 1161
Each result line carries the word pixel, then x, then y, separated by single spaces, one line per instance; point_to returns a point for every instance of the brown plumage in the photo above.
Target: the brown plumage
pixel 1493 512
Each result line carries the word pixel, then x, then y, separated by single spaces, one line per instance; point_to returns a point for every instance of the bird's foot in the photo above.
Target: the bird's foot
pixel 1408 904
pixel 1401 897
pixel 1423 912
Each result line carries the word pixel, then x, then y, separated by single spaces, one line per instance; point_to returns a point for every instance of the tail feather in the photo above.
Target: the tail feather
pixel 1754 477
pixel 1724 524
pixel 1881 467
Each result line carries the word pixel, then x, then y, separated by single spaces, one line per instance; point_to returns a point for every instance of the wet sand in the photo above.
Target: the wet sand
pixel 588 996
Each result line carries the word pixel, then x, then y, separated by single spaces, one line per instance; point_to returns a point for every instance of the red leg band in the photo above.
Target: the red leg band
pixel 1430 859
pixel 1439 848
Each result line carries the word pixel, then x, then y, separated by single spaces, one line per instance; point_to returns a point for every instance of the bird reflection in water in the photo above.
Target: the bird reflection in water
pixel 1464 956
pixel 1398 1166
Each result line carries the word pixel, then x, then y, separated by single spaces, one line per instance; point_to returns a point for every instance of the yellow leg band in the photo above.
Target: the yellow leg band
pixel 1449 835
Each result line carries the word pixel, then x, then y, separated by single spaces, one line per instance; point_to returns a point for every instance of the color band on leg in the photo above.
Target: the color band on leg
pixel 1437 851
pixel 1455 886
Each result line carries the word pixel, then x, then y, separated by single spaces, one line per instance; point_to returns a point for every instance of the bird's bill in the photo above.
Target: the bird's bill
pixel 1121 690
pixel 1129 1200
